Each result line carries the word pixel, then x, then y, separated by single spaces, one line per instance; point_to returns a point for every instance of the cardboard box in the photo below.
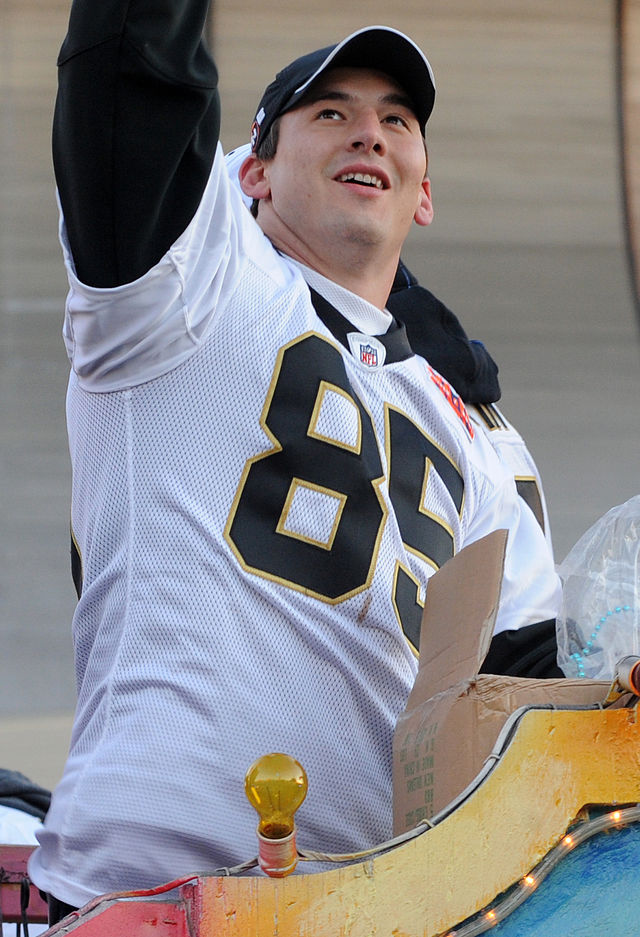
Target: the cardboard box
pixel 454 715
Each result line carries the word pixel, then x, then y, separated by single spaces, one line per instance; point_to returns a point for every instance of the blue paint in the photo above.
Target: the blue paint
pixel 593 892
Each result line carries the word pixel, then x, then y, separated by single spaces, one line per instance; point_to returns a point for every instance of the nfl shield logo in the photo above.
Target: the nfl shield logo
pixel 369 356
pixel 367 350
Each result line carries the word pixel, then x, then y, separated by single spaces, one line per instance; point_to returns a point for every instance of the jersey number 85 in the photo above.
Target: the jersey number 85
pixel 309 513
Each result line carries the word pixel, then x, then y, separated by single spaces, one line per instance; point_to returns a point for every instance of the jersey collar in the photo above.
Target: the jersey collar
pixel 394 340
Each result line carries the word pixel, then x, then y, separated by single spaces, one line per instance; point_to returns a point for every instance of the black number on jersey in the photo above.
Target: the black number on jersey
pixel 266 524
pixel 412 457
pixel 306 463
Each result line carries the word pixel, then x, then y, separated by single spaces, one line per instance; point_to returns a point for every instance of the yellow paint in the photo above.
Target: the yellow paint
pixel 556 763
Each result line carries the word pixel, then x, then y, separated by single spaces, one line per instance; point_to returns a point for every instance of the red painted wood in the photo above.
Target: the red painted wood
pixel 13 869
pixel 124 917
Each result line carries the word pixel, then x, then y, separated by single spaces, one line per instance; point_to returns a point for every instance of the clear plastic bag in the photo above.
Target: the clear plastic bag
pixel 599 622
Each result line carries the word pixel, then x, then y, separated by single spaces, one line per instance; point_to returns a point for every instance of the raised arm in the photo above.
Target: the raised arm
pixel 135 130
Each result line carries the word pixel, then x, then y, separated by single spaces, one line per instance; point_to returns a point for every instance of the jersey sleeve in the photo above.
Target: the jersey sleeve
pixel 531 589
pixel 135 131
pixel 514 453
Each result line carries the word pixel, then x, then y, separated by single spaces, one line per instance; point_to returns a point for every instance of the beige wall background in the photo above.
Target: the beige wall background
pixel 528 247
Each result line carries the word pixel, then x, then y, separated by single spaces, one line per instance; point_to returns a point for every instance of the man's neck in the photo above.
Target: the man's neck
pixel 363 316
pixel 361 270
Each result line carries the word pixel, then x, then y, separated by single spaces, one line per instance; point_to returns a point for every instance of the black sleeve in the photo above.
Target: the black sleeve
pixel 135 129
pixel 435 333
pixel 527 652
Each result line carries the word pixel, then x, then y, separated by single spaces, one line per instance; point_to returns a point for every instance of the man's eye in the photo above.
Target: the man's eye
pixel 396 119
pixel 329 113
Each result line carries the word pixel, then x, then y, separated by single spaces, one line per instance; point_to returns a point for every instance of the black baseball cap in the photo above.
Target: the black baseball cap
pixel 377 47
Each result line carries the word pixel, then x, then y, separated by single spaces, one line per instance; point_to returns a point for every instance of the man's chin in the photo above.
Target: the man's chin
pixel 356 232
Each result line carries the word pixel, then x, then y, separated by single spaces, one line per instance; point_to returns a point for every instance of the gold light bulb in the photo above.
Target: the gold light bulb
pixel 275 786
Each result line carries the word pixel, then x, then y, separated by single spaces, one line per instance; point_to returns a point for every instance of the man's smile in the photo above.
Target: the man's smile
pixel 361 178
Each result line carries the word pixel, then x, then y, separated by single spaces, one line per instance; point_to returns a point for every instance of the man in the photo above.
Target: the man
pixel 264 474
pixel 435 333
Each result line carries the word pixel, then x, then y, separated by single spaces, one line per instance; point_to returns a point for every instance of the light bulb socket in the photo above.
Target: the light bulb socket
pixel 277 857
pixel 628 674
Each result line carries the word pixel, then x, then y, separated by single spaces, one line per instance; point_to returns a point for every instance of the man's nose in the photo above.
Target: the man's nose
pixel 366 134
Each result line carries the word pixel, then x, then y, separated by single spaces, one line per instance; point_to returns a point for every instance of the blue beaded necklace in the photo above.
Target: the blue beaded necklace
pixel 579 656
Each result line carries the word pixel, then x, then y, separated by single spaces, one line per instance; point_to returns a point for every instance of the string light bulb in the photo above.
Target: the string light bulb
pixel 276 785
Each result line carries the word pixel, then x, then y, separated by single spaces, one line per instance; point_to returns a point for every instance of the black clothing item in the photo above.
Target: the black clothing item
pixel 130 172
pixel 436 334
pixel 18 792
pixel 58 909
pixel 528 652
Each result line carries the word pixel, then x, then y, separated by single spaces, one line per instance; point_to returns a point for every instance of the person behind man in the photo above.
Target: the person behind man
pixel 265 475
pixel 435 333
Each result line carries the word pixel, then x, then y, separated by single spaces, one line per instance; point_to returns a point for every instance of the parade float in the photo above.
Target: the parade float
pixel 516 808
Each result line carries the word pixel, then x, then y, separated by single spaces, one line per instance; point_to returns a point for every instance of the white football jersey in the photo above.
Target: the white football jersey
pixel 261 492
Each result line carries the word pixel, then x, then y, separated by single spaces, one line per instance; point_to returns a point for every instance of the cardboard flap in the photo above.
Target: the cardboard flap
pixel 459 616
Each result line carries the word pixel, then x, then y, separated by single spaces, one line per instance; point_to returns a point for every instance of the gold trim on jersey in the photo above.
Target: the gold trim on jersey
pixel 295 486
pixel 325 388
pixel 490 416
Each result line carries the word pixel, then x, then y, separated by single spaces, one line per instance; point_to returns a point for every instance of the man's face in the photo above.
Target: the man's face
pixel 350 169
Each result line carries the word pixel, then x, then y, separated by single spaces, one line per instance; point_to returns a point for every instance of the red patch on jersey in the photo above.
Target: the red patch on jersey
pixel 453 399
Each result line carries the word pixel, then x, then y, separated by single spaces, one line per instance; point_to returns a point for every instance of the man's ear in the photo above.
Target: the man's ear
pixel 253 178
pixel 424 213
